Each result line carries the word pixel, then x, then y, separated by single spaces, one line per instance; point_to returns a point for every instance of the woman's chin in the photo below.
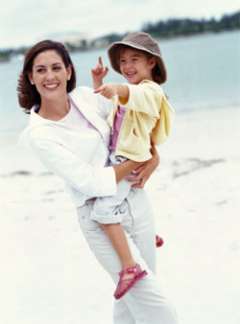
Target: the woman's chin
pixel 52 94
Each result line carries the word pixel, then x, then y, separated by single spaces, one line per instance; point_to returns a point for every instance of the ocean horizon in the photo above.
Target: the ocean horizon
pixel 203 73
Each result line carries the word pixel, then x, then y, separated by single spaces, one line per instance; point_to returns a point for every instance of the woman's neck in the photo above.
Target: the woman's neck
pixel 55 109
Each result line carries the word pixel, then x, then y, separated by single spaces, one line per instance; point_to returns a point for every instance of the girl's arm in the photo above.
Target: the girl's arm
pixel 98 73
pixel 146 97
pixel 110 90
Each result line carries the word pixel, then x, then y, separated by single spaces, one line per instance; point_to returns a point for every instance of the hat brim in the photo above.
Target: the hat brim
pixel 113 54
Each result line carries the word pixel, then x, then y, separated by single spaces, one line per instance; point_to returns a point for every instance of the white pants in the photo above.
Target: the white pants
pixel 107 210
pixel 144 303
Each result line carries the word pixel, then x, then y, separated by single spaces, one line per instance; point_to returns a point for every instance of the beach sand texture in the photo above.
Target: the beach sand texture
pixel 48 274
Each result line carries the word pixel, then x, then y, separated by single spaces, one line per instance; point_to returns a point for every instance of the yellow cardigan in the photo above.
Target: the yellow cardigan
pixel 147 119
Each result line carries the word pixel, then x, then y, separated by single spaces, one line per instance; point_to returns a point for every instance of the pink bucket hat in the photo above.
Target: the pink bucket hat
pixel 143 42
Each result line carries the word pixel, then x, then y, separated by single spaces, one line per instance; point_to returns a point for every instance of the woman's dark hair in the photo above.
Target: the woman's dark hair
pixel 28 95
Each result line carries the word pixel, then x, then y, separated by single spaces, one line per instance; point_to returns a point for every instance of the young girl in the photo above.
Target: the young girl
pixel 140 121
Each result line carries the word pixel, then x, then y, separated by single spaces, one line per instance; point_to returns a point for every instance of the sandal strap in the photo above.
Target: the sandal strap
pixel 133 269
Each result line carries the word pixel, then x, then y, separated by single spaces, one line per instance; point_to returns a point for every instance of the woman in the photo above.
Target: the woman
pixel 68 132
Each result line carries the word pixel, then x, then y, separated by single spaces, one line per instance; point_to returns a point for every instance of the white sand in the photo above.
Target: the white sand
pixel 48 274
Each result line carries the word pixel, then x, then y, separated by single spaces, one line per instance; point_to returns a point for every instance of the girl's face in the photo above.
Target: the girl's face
pixel 50 75
pixel 135 66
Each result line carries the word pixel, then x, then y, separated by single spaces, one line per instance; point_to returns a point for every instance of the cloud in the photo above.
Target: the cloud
pixel 25 21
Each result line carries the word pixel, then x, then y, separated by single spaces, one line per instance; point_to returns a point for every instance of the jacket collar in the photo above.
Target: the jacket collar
pixel 85 104
pixel 89 108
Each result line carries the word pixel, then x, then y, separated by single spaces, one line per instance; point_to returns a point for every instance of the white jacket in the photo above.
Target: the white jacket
pixel 77 157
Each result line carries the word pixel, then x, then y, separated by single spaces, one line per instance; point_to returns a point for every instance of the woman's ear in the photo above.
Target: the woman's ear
pixel 30 78
pixel 69 72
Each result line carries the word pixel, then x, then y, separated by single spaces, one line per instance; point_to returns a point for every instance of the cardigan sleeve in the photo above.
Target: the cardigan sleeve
pixel 85 178
pixel 148 97
pixel 145 97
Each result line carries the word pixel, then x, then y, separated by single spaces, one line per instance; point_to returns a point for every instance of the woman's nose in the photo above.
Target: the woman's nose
pixel 49 74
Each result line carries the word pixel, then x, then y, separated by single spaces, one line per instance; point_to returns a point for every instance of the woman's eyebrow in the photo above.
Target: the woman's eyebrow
pixel 42 65
pixel 39 65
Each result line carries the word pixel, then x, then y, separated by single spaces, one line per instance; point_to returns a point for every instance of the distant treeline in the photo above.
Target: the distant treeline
pixel 172 27
pixel 175 27
pixel 185 27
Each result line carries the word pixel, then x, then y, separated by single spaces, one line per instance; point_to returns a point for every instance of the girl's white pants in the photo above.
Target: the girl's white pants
pixel 144 303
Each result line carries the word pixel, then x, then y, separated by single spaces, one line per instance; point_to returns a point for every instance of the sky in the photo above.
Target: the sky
pixel 23 22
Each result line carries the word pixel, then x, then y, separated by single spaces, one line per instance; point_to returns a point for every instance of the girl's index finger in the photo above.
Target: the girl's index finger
pixel 100 61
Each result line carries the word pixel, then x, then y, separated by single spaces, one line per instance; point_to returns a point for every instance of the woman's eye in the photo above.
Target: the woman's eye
pixel 40 70
pixel 57 68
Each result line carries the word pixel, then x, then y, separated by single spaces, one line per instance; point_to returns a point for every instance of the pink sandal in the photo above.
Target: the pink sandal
pixel 128 278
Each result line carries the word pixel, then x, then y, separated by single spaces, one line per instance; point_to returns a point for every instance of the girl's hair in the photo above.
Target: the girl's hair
pixel 156 72
pixel 28 95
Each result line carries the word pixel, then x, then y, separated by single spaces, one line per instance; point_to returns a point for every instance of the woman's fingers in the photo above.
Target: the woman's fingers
pixel 139 177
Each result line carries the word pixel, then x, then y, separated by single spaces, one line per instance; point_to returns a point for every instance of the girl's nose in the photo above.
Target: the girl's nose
pixel 127 65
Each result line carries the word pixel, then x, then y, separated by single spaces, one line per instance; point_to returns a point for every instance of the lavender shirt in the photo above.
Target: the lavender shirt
pixel 118 118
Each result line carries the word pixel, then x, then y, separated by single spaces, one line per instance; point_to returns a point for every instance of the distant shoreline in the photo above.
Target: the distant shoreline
pixel 6 55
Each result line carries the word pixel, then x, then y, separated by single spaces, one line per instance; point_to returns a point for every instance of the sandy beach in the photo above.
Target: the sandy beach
pixel 48 274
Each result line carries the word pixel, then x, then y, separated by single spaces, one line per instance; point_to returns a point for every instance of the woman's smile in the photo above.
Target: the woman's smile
pixel 51 86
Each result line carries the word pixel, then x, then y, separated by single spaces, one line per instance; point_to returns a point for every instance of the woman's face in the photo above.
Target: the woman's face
pixel 50 75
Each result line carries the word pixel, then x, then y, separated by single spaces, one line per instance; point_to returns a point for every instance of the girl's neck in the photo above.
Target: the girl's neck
pixel 55 109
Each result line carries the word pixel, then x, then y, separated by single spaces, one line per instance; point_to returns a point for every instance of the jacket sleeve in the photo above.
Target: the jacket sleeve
pixel 146 98
pixel 105 106
pixel 85 178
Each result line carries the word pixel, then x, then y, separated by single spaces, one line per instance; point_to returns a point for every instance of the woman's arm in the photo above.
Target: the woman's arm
pixel 85 178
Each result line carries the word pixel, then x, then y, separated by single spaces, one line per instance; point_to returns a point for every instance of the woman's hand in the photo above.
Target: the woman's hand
pixel 142 173
pixel 124 169
pixel 98 73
